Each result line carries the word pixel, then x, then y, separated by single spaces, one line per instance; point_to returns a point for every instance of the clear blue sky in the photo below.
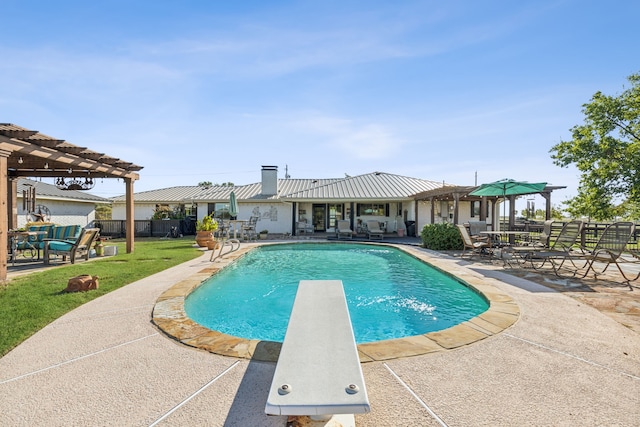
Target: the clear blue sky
pixel 211 90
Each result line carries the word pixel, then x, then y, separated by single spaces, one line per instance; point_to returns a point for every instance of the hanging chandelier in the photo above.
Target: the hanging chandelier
pixel 75 183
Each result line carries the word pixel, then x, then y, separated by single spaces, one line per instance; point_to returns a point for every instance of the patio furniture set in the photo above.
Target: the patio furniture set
pixel 564 254
pixel 48 240
pixel 371 228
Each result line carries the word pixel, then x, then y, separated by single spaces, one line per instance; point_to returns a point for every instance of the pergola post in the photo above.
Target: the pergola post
pixel 130 222
pixel 4 215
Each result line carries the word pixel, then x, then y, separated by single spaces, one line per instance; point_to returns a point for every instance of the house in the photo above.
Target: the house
pixel 397 202
pixel 51 204
pixel 279 204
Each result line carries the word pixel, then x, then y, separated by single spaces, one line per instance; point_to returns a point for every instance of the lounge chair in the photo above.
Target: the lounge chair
pixel 608 250
pixel 559 249
pixel 476 247
pixel 79 247
pixel 374 231
pixel 304 227
pixel 343 229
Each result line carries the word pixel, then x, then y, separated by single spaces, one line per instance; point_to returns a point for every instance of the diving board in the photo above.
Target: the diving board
pixel 318 373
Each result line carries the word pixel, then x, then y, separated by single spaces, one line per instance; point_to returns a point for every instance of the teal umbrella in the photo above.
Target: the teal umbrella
pixel 233 205
pixel 508 187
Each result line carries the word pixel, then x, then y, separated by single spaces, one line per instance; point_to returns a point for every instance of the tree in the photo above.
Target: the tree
pixel 205 184
pixel 606 150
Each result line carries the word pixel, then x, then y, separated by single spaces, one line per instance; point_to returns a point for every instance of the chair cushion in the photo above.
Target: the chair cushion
pixel 65 232
pixel 60 246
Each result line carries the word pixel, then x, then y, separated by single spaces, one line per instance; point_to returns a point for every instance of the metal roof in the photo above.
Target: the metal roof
pixel 375 185
pixel 371 186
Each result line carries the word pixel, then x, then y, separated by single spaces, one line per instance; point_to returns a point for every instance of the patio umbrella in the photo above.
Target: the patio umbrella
pixel 508 187
pixel 233 205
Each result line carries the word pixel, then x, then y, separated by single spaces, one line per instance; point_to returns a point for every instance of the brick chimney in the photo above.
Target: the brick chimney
pixel 269 180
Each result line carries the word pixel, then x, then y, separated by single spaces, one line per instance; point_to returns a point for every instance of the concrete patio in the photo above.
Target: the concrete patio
pixel 562 363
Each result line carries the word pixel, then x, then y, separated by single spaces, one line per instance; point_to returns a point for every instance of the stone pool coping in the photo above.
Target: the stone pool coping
pixel 170 317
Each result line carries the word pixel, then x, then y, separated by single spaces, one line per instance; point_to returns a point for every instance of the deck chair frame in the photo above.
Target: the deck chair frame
pixel 81 247
pixel 477 247
pixel 608 250
pixel 374 231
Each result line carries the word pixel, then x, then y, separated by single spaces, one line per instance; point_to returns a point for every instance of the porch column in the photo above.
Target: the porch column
pixel 547 204
pixel 483 208
pixel 433 210
pixel 129 214
pixel 456 204
pixel 12 200
pixel 294 218
pixel 4 214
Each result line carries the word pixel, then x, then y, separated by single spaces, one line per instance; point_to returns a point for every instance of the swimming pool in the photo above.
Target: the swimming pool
pixel 390 294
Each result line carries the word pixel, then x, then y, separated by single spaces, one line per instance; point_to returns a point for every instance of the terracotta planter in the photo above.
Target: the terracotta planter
pixel 203 237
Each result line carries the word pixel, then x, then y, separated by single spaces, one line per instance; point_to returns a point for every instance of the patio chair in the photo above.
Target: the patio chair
pixel 79 247
pixel 374 231
pixel 249 228
pixel 559 249
pixel 608 250
pixel 343 229
pixel 475 227
pixel 304 227
pixel 476 247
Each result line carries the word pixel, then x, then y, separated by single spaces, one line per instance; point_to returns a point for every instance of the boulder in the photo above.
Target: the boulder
pixel 82 283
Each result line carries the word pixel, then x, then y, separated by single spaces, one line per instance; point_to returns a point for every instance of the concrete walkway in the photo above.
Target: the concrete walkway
pixel 105 364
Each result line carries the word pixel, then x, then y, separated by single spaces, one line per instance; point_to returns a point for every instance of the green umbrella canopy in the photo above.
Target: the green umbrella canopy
pixel 233 205
pixel 508 187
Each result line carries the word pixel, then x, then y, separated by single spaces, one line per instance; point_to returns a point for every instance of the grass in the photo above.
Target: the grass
pixel 30 302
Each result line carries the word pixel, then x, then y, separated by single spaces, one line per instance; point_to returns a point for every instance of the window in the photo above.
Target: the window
pixel 374 209
pixel 475 209
pixel 221 210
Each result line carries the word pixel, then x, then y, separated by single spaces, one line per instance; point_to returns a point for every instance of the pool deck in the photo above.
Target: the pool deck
pixel 562 362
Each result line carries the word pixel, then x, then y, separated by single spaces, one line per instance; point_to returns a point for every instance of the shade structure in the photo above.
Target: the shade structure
pixel 233 205
pixel 508 187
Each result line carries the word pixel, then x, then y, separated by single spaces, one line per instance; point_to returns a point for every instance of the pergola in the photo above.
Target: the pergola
pixel 456 194
pixel 28 153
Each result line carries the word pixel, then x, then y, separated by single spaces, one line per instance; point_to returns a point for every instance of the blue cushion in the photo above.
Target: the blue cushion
pixel 65 232
pixel 60 246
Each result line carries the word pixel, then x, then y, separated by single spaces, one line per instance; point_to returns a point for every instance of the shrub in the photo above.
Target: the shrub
pixel 441 237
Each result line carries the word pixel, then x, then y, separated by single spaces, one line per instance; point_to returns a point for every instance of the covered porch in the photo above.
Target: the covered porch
pixel 446 204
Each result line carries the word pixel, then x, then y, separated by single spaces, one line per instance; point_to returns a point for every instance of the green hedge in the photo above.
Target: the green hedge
pixel 441 237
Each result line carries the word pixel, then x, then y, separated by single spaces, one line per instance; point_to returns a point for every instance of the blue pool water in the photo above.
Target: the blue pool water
pixel 390 294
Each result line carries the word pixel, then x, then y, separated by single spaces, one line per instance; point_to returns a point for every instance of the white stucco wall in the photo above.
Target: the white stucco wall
pixel 142 211
pixel 63 212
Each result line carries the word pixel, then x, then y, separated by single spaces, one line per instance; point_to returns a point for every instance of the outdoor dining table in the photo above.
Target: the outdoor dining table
pixel 235 224
pixel 503 245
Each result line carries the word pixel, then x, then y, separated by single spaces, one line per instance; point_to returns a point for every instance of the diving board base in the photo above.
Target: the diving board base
pixel 340 420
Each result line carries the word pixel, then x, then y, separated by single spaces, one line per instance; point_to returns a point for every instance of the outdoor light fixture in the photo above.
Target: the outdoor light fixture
pixel 20 161
pixel 46 165
pixel 75 183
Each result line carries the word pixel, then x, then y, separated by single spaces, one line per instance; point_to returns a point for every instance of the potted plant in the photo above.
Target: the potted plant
pixel 99 247
pixel 263 234
pixel 205 229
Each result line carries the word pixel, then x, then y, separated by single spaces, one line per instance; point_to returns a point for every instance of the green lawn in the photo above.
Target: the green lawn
pixel 30 302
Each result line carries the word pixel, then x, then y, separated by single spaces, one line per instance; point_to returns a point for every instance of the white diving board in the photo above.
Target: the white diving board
pixel 318 372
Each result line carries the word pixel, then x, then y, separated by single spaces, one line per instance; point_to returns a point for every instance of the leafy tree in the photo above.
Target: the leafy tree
pixel 206 184
pixel 606 150
pixel 103 211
